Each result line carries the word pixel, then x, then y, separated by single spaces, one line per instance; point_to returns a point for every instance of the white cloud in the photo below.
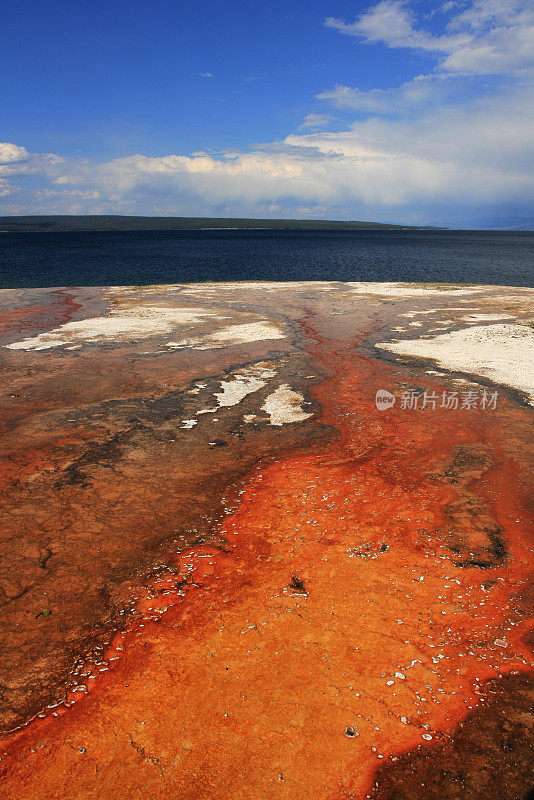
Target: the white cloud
pixel 5 188
pixel 392 23
pixel 503 49
pixel 205 74
pixel 11 153
pixel 486 37
pixel 16 160
pixel 317 120
pixel 421 91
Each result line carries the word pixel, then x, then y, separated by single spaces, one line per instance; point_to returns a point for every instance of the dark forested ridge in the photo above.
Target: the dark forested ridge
pixel 104 222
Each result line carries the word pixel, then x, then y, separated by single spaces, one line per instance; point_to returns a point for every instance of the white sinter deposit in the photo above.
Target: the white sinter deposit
pixel 136 322
pixel 246 382
pixel 486 317
pixel 503 353
pixel 284 405
pixel 404 290
pixel 240 333
pixel 235 389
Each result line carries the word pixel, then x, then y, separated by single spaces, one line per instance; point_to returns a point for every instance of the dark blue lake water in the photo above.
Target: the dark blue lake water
pixel 122 258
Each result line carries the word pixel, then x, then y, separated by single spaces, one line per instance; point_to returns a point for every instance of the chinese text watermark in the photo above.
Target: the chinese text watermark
pixel 471 400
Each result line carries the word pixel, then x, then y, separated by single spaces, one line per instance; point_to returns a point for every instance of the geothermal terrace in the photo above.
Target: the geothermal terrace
pixel 226 573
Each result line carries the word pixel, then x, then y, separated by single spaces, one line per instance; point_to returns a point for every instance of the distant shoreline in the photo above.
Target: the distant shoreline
pixel 88 223
pixel 95 223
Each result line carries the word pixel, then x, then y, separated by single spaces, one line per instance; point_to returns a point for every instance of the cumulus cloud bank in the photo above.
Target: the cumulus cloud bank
pixel 442 139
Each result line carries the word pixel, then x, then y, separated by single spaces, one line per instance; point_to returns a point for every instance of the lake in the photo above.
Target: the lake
pixel 90 258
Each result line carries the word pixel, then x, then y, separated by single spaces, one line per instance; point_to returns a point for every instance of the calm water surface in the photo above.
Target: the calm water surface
pixel 122 258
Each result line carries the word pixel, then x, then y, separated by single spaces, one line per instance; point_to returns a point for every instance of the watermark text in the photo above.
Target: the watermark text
pixel 419 400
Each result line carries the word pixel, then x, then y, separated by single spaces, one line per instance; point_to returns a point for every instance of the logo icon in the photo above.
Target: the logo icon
pixel 384 399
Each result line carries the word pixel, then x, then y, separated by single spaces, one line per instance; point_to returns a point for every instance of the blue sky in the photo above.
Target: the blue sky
pixel 397 110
